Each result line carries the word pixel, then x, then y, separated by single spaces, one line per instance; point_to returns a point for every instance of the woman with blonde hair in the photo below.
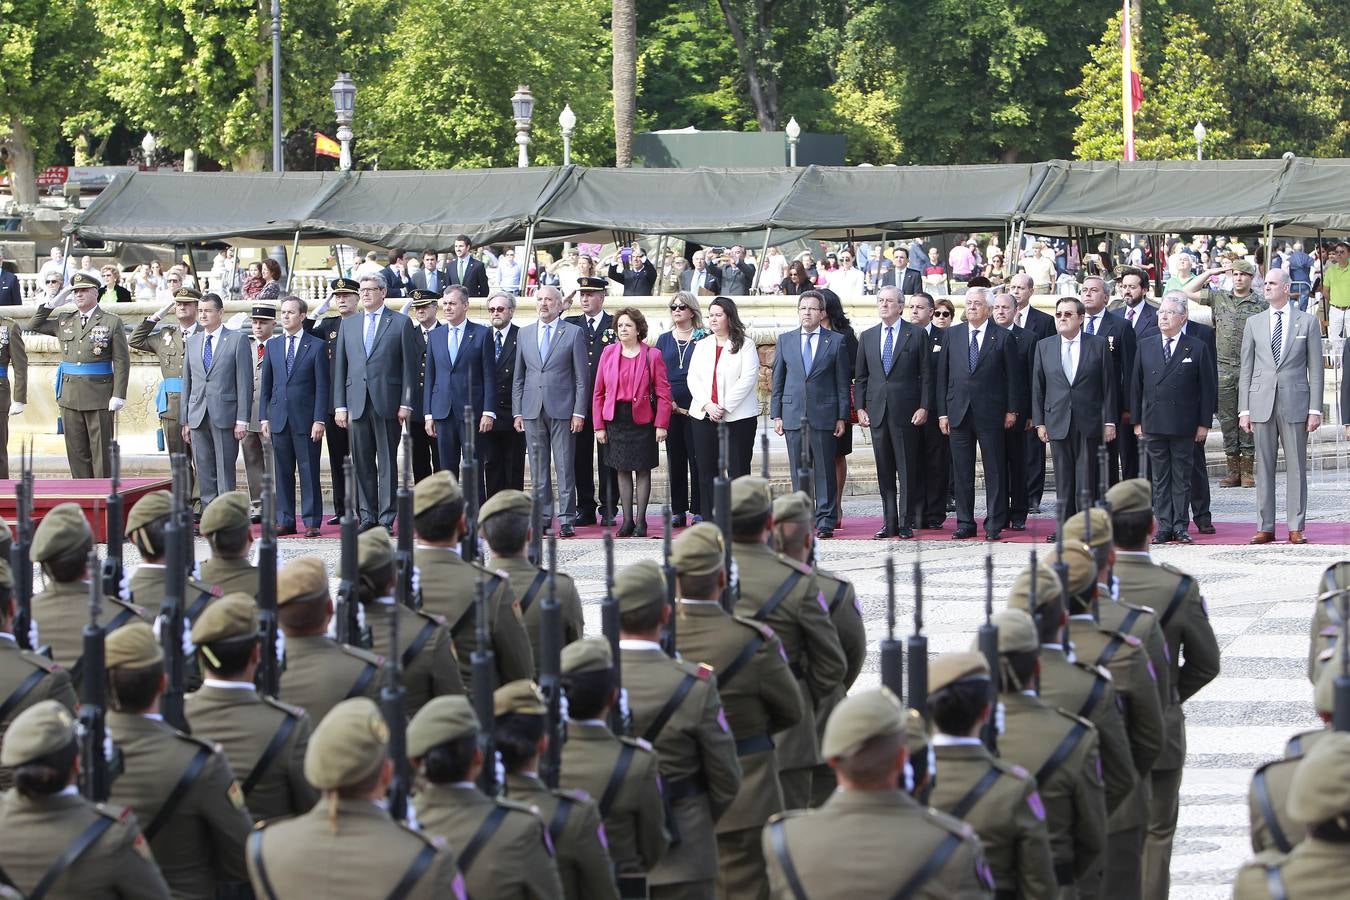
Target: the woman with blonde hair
pixel 677 348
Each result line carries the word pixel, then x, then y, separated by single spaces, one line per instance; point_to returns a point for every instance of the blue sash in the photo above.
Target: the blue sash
pixel 166 387
pixel 84 369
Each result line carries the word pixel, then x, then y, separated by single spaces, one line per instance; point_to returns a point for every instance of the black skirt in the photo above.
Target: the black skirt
pixel 630 447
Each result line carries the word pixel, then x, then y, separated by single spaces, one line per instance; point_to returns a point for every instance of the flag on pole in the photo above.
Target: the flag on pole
pixel 1131 85
pixel 326 146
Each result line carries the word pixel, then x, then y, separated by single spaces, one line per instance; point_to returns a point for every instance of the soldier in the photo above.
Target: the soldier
pixel 145 528
pixel 167 344
pixel 264 319
pixel 504 848
pixel 91 382
pixel 44 818
pixel 320 673
pixel 13 383
pixel 784 594
pixel 794 537
pixel 1319 799
pixel 998 799
pixel 448 582
pixel 870 839
pixel 422 309
pixel 520 736
pixel 226 527
pixel 180 786
pixel 676 708
pixel 759 695
pixel 347 847
pixel 1058 748
pixel 1326 618
pixel 621 771
pixel 343 293
pixel 504 521
pixel 61 545
pixel 429 668
pixel 263 739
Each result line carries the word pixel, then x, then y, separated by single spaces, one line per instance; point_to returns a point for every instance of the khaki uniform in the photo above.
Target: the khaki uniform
pixel 871 844
pixel 448 589
pixel 244 725
pixel 231 575
pixel 18 692
pixel 1273 828
pixel 35 831
pixel 427 653
pixel 846 613
pixel 760 698
pixel 61 612
pixel 802 623
pixel 1230 315
pixel 578 837
pixel 165 341
pixel 367 855
pixel 1087 691
pixel 13 381
pixel 1315 868
pixel 320 673
pixel 83 399
pixel 522 574
pixel 699 768
pixel 147 590
pixel 515 862
pixel 202 840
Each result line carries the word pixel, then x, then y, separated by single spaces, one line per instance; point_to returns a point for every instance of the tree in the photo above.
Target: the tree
pixel 624 29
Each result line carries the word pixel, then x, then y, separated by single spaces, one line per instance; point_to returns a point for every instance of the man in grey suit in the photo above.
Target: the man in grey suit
pixel 375 371
pixel 218 390
pixel 550 397
pixel 811 380
pixel 1280 401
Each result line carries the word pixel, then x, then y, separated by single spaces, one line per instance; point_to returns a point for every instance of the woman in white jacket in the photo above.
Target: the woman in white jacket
pixel 723 384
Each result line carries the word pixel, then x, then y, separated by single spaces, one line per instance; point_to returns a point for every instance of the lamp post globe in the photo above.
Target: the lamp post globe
pixel 148 146
pixel 794 134
pixel 343 92
pixel 522 108
pixel 567 123
pixel 1199 133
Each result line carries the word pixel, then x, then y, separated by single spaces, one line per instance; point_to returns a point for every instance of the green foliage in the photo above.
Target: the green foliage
pixel 43 59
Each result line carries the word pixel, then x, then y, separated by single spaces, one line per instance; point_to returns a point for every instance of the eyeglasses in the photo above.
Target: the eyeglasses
pixel 53 281
pixel 942 314
pixel 1065 315
pixel 678 307
pixel 496 309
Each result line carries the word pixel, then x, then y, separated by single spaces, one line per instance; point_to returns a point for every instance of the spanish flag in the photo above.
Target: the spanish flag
pixel 326 146
pixel 1131 85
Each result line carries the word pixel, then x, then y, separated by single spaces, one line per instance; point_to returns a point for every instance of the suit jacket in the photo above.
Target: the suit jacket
pixel 1024 345
pixel 738 277
pixel 224 394
pixel 471 378
pixel 991 391
pixel 652 383
pixel 1091 402
pixel 636 282
pixel 386 378
pixel 557 386
pixel 503 373
pixel 596 345
pixel 10 292
pixel 1122 343
pixel 1173 398
pixel 714 281
pixel 475 276
pixel 1147 320
pixel 419 280
pixel 907 387
pixel 393 282
pixel 1039 323
pixel 1298 378
pixel 821 394
pixel 299 399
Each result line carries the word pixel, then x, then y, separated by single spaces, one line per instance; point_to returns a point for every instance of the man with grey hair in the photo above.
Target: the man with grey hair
pixel 1121 343
pixel 1041 326
pixel 503 448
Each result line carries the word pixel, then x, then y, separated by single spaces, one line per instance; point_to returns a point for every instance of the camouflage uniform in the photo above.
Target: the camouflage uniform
pixel 1230 315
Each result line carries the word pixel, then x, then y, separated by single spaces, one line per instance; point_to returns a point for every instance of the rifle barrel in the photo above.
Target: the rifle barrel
pixel 892 651
pixel 609 625
pixel 550 672
pixel 668 570
pixel 485 682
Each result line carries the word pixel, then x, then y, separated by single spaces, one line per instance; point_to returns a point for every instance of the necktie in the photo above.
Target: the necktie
pixel 1092 325
pixel 590 329
pixel 206 354
pixel 544 344
pixel 290 353
pixel 499 345
pixel 370 332
pixel 1277 337
pixel 1129 315
pixel 454 344
pixel 807 355
pixel 1167 350
pixel 462 263
pixel 84 320
pixel 974 348
pixel 1068 361
pixel 888 349
pixel 433 284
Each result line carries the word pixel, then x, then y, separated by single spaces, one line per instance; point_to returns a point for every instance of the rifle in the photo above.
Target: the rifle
pixel 1103 476
pixel 269 673
pixel 668 570
pixel 115 526
pixel 404 588
pixel 988 642
pixel 537 528
pixel 348 624
pixel 805 478
pixel 485 682
pixel 918 646
pixel 1340 716
pixel 468 482
pixel 392 704
pixel 609 626
pixel 96 772
pixel 20 561
pixel 764 451
pixel 722 513
pixel 177 538
pixel 550 672
pixel 892 652
pixel 1062 568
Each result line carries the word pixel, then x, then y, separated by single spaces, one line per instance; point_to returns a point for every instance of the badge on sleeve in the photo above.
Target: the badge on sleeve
pixel 236 795
pixel 1037 806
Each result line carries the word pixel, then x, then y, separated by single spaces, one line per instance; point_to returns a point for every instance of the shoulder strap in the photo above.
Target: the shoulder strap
pixel 199 604
pixel 559 820
pixel 179 791
pixel 362 682
pixel 1128 622
pixel 1275 883
pixel 116 622
pixel 23 690
pixel 269 753
pixel 616 778
pixel 421 862
pixel 931 867
pixel 838 597
pixel 1109 651
pixel 533 590
pixel 975 794
pixel 747 653
pixel 481 837
pixel 1094 697
pixel 778 596
pixel 83 842
pixel 1183 588
pixel 1061 753
pixel 778 839
pixel 1261 789
pixel 255 855
pixel 418 643
pixel 662 717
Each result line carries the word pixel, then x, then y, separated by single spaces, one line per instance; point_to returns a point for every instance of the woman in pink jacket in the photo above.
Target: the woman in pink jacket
pixel 631 411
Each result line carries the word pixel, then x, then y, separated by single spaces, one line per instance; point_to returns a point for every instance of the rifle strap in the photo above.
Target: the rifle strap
pixel 1109 651
pixel 198 605
pixel 527 599
pixel 559 820
pixel 838 597
pixel 975 794
pixel 269 753
pixel 83 842
pixel 418 643
pixel 361 683
pixel 1094 697
pixel 421 862
pixel 116 622
pixel 1061 753
pixel 23 690
pixel 480 838
pixel 1261 788
pixel 256 857
pixel 747 653
pixel 1128 622
pixel 489 587
pixel 1183 588
pixel 616 778
pixel 179 791
pixel 931 867
pixel 778 596
pixel 654 729
pixel 778 840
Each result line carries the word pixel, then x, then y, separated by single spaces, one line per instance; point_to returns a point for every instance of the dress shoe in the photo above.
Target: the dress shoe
pixel 1050 538
pixel 1018 526
pixel 963 533
pixel 905 533
pixel 1162 537
pixel 1265 537
pixel 677 521
pixel 951 506
pixel 993 535
pixel 312 532
pixel 883 534
pixel 584 519
pixel 695 519
pixel 336 520
pixel 567 531
pixel 626 529
pixel 1207 528
pixel 1296 537
pixel 1035 508
pixel 286 530
pixel 934 526
pixel 256 518
pixel 366 526
pixel 824 533
pixel 1182 537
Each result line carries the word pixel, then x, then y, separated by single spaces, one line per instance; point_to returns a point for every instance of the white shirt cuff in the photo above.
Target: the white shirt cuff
pixel 1245 412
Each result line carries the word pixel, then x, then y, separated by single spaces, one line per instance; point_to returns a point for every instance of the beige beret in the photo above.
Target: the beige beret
pixel 1130 495
pixel 513 501
pixel 950 668
pixel 229 510
pixel 132 646
pixel 1016 632
pixel 1082 565
pixel 795 507
pixel 232 616
pixel 435 489
pixel 521 697
pixel 700 550
pixel 61 530
pixel 303 578
pixel 445 718
pixel 1320 789
pixel 154 505
pixel 1075 529
pixel 347 746
pixel 40 729
pixel 859 718
pixel 750 497
pixel 640 585
pixel 374 549
pixel 1048 589
pixel 587 655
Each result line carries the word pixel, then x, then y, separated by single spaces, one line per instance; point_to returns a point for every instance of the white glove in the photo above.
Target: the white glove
pixel 623 703
pixel 33 633
pixel 322 307
pixel 281 646
pixel 16 409
pixel 932 764
pixel 115 404
pixel 909 778
pixel 562 706
pixel 163 310
pixel 124 589
pixel 1000 717
pixel 417 580
pixel 501 769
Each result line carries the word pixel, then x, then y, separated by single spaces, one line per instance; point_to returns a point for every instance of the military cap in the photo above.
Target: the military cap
pixel 344 286
pixel 229 510
pixel 950 668
pixel 750 497
pixel 1048 589
pixel 590 654
pixel 437 488
pixel 1335 578
pixel 445 718
pixel 421 297
pixel 916 732
pixel 133 646
pixel 1075 529
pixel 40 729
pixel 263 311
pixel 700 550
pixel 511 501
pixel 80 281
pixel 859 718
pixel 1082 565
pixel 187 295
pixel 521 697
pixel 1016 632
pixel 591 283
pixel 1243 266
pixel 347 746
pixel 794 507
pixel 1130 495
pixel 154 505
pixel 304 578
pixel 62 529
pixel 374 549
pixel 1320 790
pixel 231 616
pixel 640 585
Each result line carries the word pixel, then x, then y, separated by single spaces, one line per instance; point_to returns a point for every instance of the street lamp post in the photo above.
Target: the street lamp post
pixel 794 134
pixel 148 146
pixel 522 107
pixel 344 101
pixel 567 121
pixel 278 157
pixel 1199 133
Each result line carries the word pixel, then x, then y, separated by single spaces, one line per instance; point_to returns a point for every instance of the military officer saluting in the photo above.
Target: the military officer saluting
pixel 91 381
pixel 13 383
pixel 870 839
pixel 44 817
pixel 166 343
pixel 227 528
pixel 342 293
pixel 504 848
pixel 263 739
pixel 145 528
pixel 347 847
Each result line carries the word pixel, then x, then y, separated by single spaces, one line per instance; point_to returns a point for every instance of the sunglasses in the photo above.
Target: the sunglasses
pixel 53 281
pixel 496 309
pixel 942 315
pixel 1065 315
pixel 678 307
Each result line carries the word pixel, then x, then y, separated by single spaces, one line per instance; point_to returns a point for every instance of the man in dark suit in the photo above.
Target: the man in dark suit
pixel 1041 326
pixel 503 448
pixel 466 270
pixel 892 384
pixel 430 277
pixel 1174 389
pixel 1120 343
pixel 911 282
pixel 1015 439
pixel 1074 401
pixel 374 374
pixel 11 294
pixel 293 409
pixel 1134 308
pixel 635 273
pixel 422 310
pixel 343 293
pixel 811 381
pixel 978 392
pixel 459 373
pixel 597 327
pixel 701 279
pixel 928 503
pixel 395 273
pixel 738 276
